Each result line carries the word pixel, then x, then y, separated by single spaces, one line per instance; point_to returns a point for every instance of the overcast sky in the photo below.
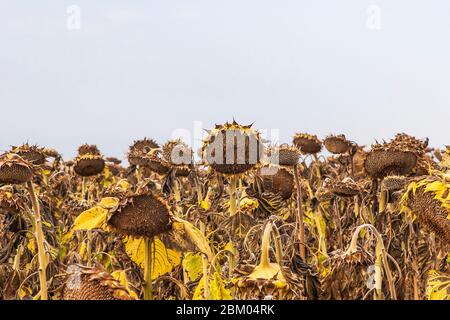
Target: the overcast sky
pixel 367 69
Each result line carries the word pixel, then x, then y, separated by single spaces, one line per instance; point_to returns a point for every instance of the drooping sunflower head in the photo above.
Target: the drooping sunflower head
pixel 89 161
pixel 307 143
pixel 343 188
pixel 429 200
pixel 179 156
pixel 33 154
pixel 267 279
pixel 277 180
pixel 14 169
pixel 147 153
pixel 284 155
pixel 177 153
pixel 323 194
pixel 397 157
pixel 232 149
pixel 394 183
pixel 337 144
pixel 346 274
pixel 141 214
pixel 139 149
pixel 143 146
pixel 92 283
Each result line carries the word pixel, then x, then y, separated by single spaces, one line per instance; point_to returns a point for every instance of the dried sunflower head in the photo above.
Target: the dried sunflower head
pixel 140 214
pixel 343 188
pixel 323 194
pixel 232 149
pixel 31 154
pixel 147 153
pixel 143 146
pixel 14 169
pixel 284 155
pixel 89 165
pixel 89 161
pixel 267 278
pixel 277 180
pixel 397 157
pixel 307 143
pixel 179 156
pixel 337 144
pixel 429 200
pixel 92 283
pixel 394 183
pixel 177 153
pixel 346 275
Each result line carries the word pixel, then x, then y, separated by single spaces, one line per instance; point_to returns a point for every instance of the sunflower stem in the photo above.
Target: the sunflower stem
pixel 265 246
pixel 338 221
pixel 83 188
pixel 148 249
pixel 39 235
pixel 317 167
pixel 205 266
pixel 278 246
pixel 352 165
pixel 232 195
pixel 300 225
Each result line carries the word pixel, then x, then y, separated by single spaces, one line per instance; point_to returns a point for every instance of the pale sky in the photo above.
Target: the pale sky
pixel 147 68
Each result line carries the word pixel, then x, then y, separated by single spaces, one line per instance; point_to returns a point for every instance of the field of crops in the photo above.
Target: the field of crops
pixel 317 218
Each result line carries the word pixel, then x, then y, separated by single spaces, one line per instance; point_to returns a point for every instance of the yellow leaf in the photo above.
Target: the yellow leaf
pixel 108 202
pixel 438 286
pixel 197 237
pixel 121 276
pixel 217 290
pixel 87 220
pixel 199 290
pixel 192 264
pixel 135 249
pixel 90 219
pixel 164 259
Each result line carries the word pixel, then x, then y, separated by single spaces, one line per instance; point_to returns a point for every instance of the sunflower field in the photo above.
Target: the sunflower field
pixel 242 218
